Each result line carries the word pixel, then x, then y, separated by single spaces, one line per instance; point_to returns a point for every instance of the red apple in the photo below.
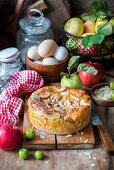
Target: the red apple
pixel 11 137
pixel 90 80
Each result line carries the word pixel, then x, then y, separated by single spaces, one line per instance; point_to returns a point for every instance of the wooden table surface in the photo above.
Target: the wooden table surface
pixel 88 159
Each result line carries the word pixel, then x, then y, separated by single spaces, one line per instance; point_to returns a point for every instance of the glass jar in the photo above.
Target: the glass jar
pixel 9 64
pixel 33 30
pixel 10 67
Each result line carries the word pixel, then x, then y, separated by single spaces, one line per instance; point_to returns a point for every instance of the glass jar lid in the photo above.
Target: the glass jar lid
pixel 8 54
pixel 35 24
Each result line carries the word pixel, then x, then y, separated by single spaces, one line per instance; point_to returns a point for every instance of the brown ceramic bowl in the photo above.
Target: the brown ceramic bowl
pixel 50 73
pixel 100 101
pixel 86 89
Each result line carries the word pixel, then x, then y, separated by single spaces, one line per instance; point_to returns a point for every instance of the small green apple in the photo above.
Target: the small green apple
pixel 24 154
pixel 112 96
pixel 29 133
pixel 112 22
pixel 39 155
pixel 112 85
pixel 73 81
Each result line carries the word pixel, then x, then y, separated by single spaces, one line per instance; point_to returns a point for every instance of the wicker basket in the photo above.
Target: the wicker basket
pixel 103 53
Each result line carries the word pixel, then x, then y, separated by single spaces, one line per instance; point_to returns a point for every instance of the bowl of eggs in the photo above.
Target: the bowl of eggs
pixel 48 59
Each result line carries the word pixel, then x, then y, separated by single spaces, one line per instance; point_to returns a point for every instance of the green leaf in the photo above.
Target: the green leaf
pixel 101 15
pixel 88 69
pixel 89 16
pixel 73 62
pixel 97 38
pixel 82 66
pixel 63 74
pixel 108 12
pixel 96 5
pixel 93 39
pixel 106 28
pixel 104 5
pixel 86 41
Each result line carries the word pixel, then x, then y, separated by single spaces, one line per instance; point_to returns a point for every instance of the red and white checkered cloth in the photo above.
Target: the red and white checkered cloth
pixel 11 104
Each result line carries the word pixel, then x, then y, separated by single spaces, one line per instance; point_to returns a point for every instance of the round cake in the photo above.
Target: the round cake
pixel 58 110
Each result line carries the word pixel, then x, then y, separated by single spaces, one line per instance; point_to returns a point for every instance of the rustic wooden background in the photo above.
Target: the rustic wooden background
pixel 77 7
pixel 58 11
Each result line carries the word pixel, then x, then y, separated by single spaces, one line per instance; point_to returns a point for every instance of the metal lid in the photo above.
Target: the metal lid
pixel 8 54
pixel 35 24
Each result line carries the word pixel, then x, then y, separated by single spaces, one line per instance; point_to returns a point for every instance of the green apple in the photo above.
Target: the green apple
pixel 38 155
pixel 74 26
pixel 73 81
pixel 100 21
pixel 23 153
pixel 112 96
pixel 112 22
pixel 29 133
pixel 112 85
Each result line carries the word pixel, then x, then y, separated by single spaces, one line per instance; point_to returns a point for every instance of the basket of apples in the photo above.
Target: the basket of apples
pixel 92 35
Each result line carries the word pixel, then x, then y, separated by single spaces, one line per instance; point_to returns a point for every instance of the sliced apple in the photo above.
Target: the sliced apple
pixel 72 98
pixel 68 119
pixel 59 89
pixel 45 95
pixel 48 106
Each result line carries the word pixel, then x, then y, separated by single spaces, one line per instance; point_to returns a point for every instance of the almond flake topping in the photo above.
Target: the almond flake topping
pixel 47 162
pixel 64 93
pixel 92 165
pixel 56 104
pixel 82 133
pixel 51 97
pixel 86 141
pixel 77 133
pixel 35 96
pixel 69 135
pixel 42 137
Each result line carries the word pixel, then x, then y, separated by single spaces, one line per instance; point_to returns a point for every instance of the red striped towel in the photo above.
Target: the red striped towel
pixel 11 103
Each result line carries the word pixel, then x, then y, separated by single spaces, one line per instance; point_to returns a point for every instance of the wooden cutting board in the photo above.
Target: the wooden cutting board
pixel 82 139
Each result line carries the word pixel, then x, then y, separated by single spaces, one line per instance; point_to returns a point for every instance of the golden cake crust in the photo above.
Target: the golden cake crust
pixel 57 110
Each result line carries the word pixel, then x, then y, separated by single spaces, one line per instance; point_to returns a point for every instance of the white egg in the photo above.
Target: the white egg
pixel 49 61
pixel 33 53
pixel 47 48
pixel 61 53
pixel 38 61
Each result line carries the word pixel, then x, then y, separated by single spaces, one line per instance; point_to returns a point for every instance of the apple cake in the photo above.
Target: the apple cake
pixel 59 110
